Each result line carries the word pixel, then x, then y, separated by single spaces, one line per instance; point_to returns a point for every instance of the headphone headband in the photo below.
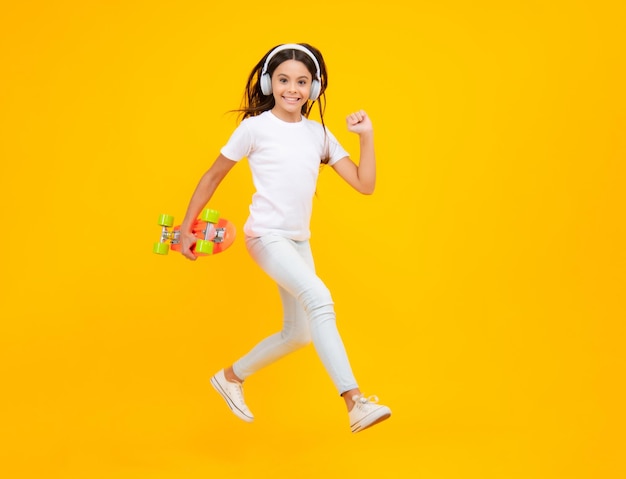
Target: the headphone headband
pixel 292 46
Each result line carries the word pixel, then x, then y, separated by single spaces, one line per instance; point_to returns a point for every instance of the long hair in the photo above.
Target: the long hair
pixel 254 102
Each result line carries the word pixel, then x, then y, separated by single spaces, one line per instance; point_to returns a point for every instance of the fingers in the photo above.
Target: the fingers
pixel 189 255
pixel 187 245
pixel 359 122
pixel 356 117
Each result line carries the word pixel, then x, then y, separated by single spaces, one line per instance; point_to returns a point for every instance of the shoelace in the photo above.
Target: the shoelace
pixel 239 389
pixel 364 401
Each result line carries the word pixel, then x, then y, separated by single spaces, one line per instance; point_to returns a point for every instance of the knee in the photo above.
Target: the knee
pixel 297 339
pixel 316 299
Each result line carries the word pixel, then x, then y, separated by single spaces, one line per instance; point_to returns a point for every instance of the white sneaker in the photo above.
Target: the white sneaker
pixel 232 392
pixel 366 413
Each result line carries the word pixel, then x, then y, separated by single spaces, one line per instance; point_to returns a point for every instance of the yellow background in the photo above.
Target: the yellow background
pixel 479 291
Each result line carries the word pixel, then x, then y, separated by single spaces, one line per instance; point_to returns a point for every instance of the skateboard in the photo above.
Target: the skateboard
pixel 214 234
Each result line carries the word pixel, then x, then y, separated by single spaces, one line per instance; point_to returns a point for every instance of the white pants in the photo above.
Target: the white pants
pixel 308 312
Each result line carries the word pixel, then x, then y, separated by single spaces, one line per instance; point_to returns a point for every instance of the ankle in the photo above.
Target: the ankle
pixel 347 397
pixel 230 375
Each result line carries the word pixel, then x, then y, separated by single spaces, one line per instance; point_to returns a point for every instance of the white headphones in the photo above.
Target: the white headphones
pixel 266 81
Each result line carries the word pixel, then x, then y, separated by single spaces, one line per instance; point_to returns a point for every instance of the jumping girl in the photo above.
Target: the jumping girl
pixel 285 149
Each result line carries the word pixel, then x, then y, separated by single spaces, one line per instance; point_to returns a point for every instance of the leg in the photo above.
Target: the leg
pixel 290 265
pixel 307 306
pixel 294 335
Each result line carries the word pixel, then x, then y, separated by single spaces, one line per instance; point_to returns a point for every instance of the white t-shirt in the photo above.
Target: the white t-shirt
pixel 285 161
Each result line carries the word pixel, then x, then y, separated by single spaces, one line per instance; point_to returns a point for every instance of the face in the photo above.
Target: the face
pixel 291 85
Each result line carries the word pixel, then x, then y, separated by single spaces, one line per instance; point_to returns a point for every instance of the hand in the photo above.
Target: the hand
pixel 358 122
pixel 187 244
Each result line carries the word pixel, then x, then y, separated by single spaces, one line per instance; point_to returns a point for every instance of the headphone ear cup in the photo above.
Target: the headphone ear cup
pixel 316 86
pixel 266 84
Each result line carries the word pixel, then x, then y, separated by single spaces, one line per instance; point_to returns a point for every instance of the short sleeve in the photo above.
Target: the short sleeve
pixel 335 151
pixel 239 144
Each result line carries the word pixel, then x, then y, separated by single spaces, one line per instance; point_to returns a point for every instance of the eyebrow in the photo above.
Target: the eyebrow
pixel 297 78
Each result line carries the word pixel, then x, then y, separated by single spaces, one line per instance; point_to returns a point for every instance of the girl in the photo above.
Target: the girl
pixel 284 150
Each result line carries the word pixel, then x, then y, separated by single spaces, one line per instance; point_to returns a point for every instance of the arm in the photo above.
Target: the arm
pixel 361 177
pixel 201 196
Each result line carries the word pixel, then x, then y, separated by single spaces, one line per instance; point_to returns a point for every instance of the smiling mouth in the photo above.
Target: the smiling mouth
pixel 292 100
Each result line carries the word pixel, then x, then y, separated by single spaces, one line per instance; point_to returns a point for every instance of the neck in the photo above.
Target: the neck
pixel 287 117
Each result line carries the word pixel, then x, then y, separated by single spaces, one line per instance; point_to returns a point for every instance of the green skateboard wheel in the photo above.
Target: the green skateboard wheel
pixel 160 248
pixel 166 220
pixel 210 216
pixel 204 246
